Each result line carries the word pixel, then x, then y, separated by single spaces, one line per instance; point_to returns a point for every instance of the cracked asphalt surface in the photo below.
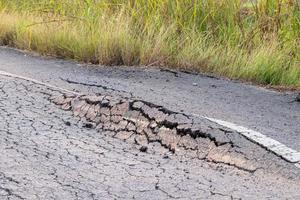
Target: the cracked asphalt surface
pixel 47 153
pixel 272 113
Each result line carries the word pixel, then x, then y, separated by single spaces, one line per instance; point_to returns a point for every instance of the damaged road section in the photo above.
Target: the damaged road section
pixel 141 122
pixel 48 153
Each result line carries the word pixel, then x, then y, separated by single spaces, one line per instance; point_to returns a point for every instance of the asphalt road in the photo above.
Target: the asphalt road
pixel 47 153
pixel 274 114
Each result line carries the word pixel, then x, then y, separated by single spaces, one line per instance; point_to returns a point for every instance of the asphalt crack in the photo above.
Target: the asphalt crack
pixel 142 123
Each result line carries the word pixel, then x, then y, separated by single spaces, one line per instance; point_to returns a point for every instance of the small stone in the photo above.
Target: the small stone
pixel 67 123
pixel 143 149
pixel 195 84
pixel 88 125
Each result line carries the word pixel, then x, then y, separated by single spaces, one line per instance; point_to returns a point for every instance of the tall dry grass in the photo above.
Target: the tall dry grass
pixel 250 40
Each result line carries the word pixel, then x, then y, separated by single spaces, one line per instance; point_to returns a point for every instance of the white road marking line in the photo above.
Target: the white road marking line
pixel 272 145
pixel 37 82
pixel 276 147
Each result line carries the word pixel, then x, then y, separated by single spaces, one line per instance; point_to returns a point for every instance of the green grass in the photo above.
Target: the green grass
pixel 252 41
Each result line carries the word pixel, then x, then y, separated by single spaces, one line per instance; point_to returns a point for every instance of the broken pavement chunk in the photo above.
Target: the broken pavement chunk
pixel 66 106
pixel 169 138
pixel 84 109
pixel 76 106
pixel 188 142
pixel 120 109
pixel 141 140
pixel 92 99
pixel 137 105
pixel 59 100
pixel 92 113
pixel 175 119
pixel 124 135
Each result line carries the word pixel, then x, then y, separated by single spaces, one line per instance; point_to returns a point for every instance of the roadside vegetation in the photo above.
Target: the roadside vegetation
pixel 256 41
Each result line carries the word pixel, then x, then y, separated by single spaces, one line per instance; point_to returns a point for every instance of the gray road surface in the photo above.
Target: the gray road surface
pixel 274 114
pixel 47 153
